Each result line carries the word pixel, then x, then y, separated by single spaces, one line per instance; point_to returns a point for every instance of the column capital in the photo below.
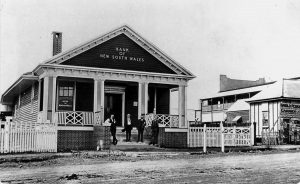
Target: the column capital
pixel 182 85
pixel 99 79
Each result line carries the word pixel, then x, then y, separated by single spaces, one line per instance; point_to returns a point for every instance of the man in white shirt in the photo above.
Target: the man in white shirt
pixel 128 128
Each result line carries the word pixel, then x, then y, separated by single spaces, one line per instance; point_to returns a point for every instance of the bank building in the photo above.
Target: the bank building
pixel 117 73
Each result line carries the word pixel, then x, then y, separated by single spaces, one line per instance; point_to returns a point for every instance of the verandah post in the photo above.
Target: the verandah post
pixel 234 135
pixel 204 138
pixel 252 134
pixel 222 137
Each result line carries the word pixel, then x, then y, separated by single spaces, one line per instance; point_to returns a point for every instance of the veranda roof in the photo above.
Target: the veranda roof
pixel 238 91
pixel 285 88
pixel 239 105
pixel 24 82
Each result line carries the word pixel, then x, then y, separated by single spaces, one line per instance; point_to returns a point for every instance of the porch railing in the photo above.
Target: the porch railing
pixel 171 121
pixel 78 118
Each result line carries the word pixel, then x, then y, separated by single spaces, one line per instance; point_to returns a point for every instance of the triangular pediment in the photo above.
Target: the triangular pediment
pixel 121 49
pixel 122 53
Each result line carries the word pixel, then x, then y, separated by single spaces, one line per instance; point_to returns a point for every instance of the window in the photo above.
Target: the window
pixel 41 88
pixel 205 103
pixel 219 104
pixel 265 120
pixel 65 96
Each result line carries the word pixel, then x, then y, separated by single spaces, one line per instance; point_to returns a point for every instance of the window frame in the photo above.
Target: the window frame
pixel 68 89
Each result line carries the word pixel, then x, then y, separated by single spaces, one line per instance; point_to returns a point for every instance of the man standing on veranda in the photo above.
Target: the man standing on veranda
pixel 128 128
pixel 154 129
pixel 141 126
pixel 113 128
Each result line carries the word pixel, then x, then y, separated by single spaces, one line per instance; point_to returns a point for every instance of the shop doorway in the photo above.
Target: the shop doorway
pixel 114 104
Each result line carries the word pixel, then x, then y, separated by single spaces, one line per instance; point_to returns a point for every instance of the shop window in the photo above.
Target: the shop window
pixel 65 96
pixel 265 118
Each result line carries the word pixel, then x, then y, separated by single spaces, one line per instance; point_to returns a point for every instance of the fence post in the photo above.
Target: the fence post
pixel 204 138
pixel 6 137
pixel 222 137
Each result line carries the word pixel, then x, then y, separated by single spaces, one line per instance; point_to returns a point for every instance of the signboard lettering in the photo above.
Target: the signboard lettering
pixel 65 103
pixel 121 54
pixel 290 110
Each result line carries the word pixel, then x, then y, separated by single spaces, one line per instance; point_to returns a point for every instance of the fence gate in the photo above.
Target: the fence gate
pixel 220 136
pixel 28 137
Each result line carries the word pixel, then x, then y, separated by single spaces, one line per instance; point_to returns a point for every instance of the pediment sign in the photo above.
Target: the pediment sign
pixel 120 52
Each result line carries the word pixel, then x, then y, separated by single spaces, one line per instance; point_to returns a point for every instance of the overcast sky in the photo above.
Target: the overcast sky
pixel 242 39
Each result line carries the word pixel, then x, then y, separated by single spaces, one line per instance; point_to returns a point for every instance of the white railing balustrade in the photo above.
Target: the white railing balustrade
pixel 75 118
pixel 170 121
pixel 98 119
pixel 237 136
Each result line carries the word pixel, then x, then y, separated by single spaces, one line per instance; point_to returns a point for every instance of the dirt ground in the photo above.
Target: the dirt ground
pixel 184 167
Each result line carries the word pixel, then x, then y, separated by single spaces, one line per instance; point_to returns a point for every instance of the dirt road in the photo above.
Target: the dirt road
pixel 219 168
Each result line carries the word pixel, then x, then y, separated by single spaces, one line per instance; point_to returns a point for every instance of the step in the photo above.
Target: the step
pixel 121 137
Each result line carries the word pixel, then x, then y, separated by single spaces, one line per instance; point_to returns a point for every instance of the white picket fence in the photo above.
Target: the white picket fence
pixel 220 136
pixel 28 137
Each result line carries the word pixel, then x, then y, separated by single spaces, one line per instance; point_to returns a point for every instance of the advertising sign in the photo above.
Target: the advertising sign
pixel 290 110
pixel 65 103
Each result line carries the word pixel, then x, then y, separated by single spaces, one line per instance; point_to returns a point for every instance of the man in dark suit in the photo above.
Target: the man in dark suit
pixel 141 126
pixel 128 128
pixel 154 129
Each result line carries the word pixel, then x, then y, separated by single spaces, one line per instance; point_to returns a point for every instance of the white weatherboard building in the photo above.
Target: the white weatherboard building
pixel 117 73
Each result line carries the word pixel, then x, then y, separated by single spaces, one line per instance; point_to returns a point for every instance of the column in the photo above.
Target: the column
pixel 140 100
pixel 53 100
pixel 146 98
pixel 99 99
pixel 182 106
pixel 95 96
pixel 45 99
pixel 143 99
pixel 102 94
pixel 155 99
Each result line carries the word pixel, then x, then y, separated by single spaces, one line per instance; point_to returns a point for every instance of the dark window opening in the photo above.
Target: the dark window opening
pixel 42 95
pixel 84 96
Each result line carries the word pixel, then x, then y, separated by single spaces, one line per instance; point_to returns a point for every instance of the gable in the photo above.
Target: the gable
pixel 122 53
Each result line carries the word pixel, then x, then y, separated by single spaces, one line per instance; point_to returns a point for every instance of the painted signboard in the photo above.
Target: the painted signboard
pixel 290 110
pixel 65 103
pixel 120 52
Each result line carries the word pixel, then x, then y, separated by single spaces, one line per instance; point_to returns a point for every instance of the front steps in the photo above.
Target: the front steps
pixel 133 145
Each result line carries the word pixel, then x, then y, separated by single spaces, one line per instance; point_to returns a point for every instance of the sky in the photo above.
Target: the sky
pixel 243 39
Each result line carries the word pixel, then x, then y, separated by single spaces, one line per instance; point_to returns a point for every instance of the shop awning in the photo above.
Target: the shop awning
pixel 236 118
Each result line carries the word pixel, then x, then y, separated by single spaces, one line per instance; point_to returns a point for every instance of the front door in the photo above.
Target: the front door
pixel 113 105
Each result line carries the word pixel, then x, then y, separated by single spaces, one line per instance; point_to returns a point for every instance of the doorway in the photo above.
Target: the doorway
pixel 114 104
